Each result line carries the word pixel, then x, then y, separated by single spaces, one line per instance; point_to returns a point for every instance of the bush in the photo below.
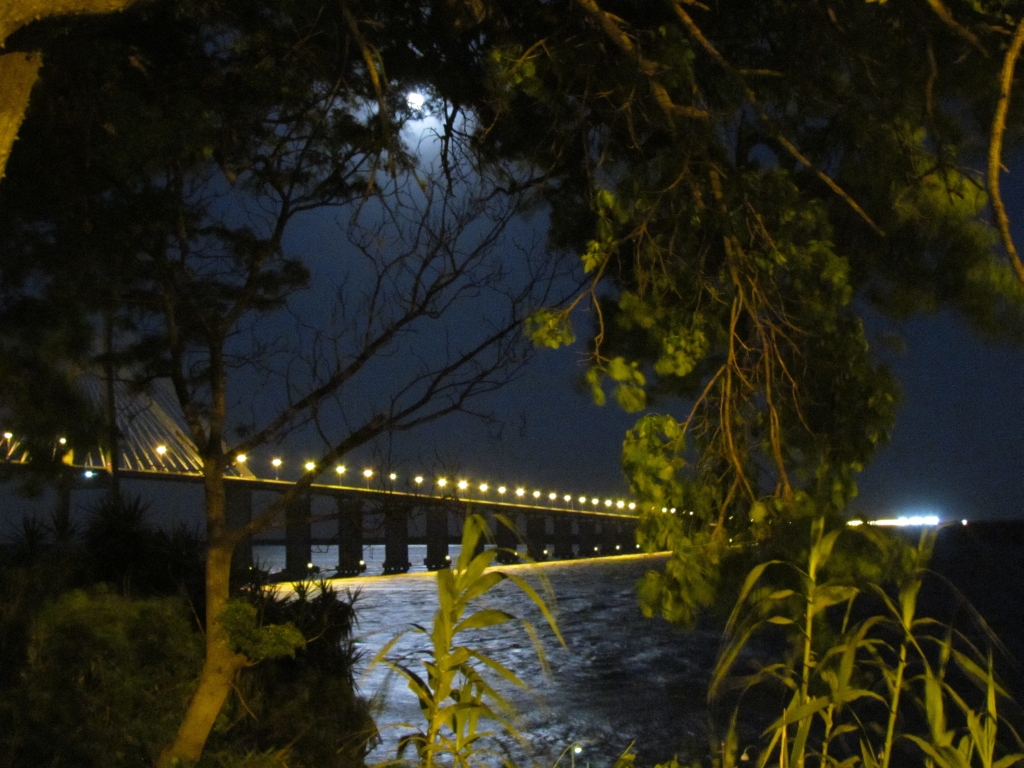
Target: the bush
pixel 306 701
pixel 105 683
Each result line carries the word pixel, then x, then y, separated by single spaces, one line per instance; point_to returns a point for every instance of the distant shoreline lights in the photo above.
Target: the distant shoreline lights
pixel 912 521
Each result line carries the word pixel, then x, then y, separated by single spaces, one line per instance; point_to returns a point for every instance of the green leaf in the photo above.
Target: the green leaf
pixel 488 617
pixel 241 622
pixel 631 398
pixel 593 378
pixel 550 328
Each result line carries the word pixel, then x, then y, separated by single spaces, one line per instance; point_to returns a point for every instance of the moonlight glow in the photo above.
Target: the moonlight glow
pixel 416 100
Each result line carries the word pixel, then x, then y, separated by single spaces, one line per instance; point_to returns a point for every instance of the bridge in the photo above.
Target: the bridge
pixel 385 508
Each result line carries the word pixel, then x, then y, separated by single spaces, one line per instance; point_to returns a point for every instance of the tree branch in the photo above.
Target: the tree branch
pixel 995 148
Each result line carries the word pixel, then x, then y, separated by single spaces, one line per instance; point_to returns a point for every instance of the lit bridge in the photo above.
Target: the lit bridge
pixel 385 509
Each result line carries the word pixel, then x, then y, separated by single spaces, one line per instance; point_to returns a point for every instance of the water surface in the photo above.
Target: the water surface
pixel 621 678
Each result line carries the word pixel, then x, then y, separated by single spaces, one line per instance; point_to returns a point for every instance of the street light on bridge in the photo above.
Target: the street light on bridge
pixel 241 458
pixel 310 466
pixel 276 464
pixel 340 470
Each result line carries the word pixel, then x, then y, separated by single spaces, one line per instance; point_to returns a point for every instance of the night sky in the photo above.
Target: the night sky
pixel 957 449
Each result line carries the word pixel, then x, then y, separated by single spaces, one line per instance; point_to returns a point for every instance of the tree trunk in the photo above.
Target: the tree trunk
pixel 222 663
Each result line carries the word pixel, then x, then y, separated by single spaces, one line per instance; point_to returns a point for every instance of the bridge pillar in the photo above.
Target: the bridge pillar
pixel 587 541
pixel 507 540
pixel 611 537
pixel 396 540
pixel 350 537
pixel 629 543
pixel 298 549
pixel 536 537
pixel 563 537
pixel 238 513
pixel 437 538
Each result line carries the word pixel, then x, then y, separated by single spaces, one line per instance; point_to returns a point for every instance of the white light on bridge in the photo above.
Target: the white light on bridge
pixel 607 502
pixel 8 435
pixel 393 476
pixel 552 496
pixel 160 449
pixel 520 492
pixel 63 441
pixel 632 505
pixel 484 487
pixel 442 482
pixel 310 466
pixel 340 469
pixel 418 479
pixel 241 458
pixel 583 499
pixel 567 498
pixel 367 473
pixel 275 463
pixel 595 502
pixel 502 489
pixel 536 494
pixel 463 485
pixel 89 473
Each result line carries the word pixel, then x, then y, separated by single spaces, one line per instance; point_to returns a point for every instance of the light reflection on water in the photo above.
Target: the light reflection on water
pixel 622 678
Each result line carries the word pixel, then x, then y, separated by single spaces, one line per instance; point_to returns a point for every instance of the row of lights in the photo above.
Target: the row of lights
pixel 461 485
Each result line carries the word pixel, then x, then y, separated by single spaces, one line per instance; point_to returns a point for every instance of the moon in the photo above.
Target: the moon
pixel 416 100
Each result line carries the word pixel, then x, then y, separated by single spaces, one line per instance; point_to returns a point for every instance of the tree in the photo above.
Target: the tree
pixel 742 183
pixel 182 145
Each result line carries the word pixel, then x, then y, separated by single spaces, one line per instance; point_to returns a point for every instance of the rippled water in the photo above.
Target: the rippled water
pixel 621 679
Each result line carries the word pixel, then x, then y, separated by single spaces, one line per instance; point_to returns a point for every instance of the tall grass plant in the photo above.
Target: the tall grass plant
pixel 459 686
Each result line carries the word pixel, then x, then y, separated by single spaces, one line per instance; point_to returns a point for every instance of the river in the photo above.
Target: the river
pixel 621 679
